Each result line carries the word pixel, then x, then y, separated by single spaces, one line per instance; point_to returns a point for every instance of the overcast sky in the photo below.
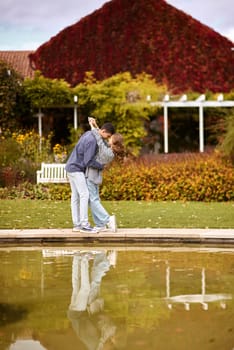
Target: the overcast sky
pixel 27 24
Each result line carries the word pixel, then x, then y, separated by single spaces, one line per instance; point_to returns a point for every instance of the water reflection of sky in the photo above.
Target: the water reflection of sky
pixel 27 345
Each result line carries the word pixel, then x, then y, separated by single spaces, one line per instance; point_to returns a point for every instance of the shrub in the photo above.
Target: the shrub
pixel 27 190
pixel 227 141
pixel 20 156
pixel 190 177
pixel 186 177
pixel 9 155
pixel 33 147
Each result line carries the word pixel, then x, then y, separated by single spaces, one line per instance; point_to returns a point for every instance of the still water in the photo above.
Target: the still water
pixel 95 298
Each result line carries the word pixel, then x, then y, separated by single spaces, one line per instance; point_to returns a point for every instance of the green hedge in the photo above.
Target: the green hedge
pixel 188 177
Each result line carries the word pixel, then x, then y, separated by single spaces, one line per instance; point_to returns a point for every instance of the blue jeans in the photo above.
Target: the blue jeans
pixel 99 213
pixel 79 198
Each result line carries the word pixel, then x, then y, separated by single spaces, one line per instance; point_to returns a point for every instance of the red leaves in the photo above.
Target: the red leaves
pixel 151 37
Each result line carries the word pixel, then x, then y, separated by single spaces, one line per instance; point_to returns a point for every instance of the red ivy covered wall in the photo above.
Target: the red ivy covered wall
pixel 140 36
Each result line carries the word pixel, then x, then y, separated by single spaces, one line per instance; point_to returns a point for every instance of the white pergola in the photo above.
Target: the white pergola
pixel 183 102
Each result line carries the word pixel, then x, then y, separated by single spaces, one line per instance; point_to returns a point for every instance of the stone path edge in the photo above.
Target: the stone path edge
pixel 123 235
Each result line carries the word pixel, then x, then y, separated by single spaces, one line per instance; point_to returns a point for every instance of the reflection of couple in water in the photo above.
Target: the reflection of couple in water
pixel 86 310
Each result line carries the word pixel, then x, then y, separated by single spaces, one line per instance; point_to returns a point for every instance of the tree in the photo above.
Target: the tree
pixel 121 100
pixel 45 92
pixel 10 88
pixel 52 98
pixel 227 139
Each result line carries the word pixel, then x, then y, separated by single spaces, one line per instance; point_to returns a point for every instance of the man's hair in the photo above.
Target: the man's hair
pixel 109 128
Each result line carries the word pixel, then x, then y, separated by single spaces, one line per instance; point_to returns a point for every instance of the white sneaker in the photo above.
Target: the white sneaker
pixel 100 228
pixel 76 229
pixel 112 223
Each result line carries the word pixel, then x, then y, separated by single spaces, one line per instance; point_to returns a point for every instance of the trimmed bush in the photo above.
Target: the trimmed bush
pixel 186 177
pixel 190 177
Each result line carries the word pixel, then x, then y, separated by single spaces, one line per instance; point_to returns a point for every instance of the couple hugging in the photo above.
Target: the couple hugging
pixel 95 148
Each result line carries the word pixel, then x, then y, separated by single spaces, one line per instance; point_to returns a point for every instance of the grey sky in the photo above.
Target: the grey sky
pixel 25 25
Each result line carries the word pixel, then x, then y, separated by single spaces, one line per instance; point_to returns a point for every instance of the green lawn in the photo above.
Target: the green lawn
pixel 23 214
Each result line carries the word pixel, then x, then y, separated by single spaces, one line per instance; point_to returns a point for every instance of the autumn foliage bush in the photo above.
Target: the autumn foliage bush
pixel 189 177
pixel 172 177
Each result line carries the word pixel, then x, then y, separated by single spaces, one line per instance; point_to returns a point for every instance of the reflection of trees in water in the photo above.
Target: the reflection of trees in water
pixel 11 313
pixel 134 290
pixel 137 288
pixel 135 308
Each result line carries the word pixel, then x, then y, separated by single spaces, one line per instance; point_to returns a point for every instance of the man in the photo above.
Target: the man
pixel 83 156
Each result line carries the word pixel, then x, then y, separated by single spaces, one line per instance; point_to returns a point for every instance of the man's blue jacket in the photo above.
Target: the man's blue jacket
pixel 83 154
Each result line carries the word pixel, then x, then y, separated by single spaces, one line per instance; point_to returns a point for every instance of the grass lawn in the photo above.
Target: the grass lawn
pixel 26 214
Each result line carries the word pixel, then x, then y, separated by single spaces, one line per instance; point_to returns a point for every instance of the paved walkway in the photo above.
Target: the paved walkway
pixel 124 235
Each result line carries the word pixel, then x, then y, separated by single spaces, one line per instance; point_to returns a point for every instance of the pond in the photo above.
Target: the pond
pixel 123 297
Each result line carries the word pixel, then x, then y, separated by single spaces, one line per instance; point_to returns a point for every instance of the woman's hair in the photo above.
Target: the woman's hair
pixel 117 145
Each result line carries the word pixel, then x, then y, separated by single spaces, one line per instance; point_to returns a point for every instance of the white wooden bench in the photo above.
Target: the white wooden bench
pixel 52 173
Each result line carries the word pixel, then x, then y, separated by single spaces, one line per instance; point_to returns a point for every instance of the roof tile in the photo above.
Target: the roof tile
pixel 19 61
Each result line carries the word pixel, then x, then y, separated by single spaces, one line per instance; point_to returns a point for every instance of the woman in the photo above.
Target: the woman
pixel 106 153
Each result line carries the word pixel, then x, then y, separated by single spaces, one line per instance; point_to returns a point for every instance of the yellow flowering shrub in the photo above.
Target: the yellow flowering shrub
pixel 33 147
pixel 20 156
pixel 60 153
